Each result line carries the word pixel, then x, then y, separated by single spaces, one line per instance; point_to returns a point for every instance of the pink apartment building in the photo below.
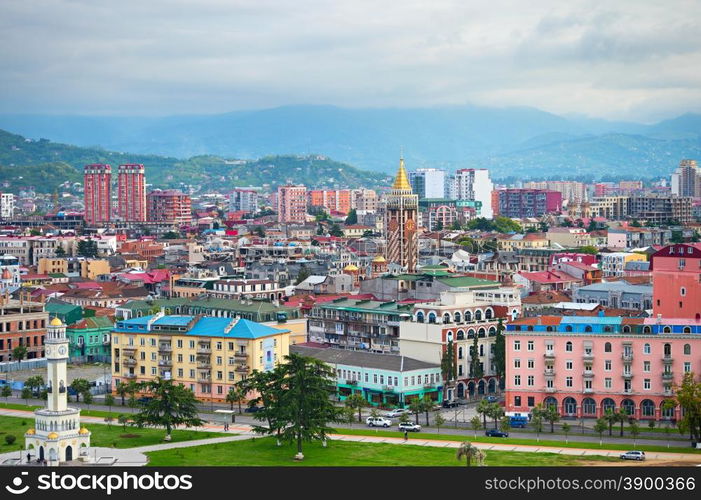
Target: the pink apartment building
pixel 586 365
pixel 292 204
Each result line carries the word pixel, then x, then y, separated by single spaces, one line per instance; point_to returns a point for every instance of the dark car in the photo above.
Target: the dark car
pixel 144 400
pixel 492 399
pixel 450 404
pixel 496 433
pixel 254 409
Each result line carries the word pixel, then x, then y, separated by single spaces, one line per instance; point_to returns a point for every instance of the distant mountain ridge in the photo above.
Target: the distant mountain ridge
pixel 44 165
pixel 517 141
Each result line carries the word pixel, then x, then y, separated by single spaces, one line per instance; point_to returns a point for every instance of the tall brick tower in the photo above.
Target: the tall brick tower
pixel 97 183
pixel 401 215
pixel 131 203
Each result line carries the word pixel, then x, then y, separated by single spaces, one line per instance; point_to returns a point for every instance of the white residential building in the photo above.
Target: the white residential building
pixel 474 184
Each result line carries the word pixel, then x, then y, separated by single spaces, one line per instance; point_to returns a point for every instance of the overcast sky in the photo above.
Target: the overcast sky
pixel 625 59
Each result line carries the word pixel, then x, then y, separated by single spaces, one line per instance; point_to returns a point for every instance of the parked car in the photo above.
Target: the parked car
pixel 254 409
pixel 378 422
pixel 408 426
pixel 144 399
pixel 496 433
pixel 633 455
pixel 450 404
pixel 397 412
pixel 492 399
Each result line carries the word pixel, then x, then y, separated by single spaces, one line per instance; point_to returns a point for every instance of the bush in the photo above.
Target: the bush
pixel 9 439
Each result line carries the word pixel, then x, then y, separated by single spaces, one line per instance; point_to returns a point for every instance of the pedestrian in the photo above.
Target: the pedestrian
pixel 406 435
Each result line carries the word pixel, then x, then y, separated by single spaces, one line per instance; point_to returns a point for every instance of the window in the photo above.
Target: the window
pixel 180 373
pixel 687 366
pixel 180 343
pixel 517 380
pixel 568 364
pixel 531 345
pixel 531 363
pixel 517 363
pixel 531 380
pixel 517 400
pixel 568 346
pixel 607 383
pixel 192 344
pixel 154 370
pixel 531 401
pixel 646 384
pixel 374 378
pixel 682 291
pixel 219 346
pixel 366 377
pixel 646 349
pixel 568 381
pixel 517 345
pixel 687 349
pixel 646 366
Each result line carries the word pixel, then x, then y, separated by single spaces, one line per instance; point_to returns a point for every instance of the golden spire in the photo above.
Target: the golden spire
pixel 402 179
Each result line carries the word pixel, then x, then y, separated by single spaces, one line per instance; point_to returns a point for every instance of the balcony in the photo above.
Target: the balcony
pixel 549 372
pixel 550 390
pixel 204 364
pixel 165 362
pixel 627 356
pixel 351 382
pixel 667 358
pixel 130 375
pixel 129 349
pixel 549 354
pixel 627 375
pixel 588 373
pixel 242 369
pixel 588 390
pixel 204 350
pixel 388 388
pixel 588 356
pixel 129 362
pixel 165 348
pixel 667 375
pixel 429 386
pixel 628 391
pixel 242 355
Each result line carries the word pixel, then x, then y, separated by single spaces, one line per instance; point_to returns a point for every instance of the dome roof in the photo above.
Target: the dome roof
pixel 83 430
pixel 379 259
pixel 52 435
pixel 31 432
pixel 350 267
pixel 56 322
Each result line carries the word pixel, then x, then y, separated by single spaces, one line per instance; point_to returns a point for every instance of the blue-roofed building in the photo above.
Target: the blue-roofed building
pixel 206 354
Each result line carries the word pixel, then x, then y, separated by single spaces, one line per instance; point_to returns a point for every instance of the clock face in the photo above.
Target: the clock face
pixel 393 225
pixel 410 225
pixel 48 351
pixel 62 350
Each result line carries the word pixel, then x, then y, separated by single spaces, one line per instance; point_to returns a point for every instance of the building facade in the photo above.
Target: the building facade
pixel 169 206
pixel 428 182
pixel 676 274
pixel 519 203
pixel 97 192
pixel 131 190
pixel 292 203
pixel 401 222
pixel 474 184
pixel 243 200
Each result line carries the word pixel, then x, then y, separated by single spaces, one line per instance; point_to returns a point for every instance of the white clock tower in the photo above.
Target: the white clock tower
pixel 57 435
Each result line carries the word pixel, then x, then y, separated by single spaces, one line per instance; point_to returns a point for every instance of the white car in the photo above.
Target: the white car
pixel 378 422
pixel 398 412
pixel 409 427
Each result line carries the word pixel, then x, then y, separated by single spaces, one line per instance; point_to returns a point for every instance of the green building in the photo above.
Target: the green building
pixel 68 313
pixel 90 340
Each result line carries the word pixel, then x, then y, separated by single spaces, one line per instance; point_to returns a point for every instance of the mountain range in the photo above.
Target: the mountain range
pixel 517 141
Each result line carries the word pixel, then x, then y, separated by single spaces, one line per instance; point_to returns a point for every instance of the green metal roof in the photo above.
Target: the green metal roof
pixel 468 282
pixel 367 306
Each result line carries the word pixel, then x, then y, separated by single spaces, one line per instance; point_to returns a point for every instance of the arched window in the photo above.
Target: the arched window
pixel 478 315
pixel 488 313
pixel 548 328
pixel 646 349
pixel 492 331
pixel 470 334
pixel 647 408
pixel 459 352
pixel 587 328
pixel 458 317
pixel 446 318
pixel 530 328
pixel 667 329
pixel 607 347
pixel 608 329
pixel 687 329
pixel 431 317
pixel 626 329
pixel 687 349
pixel 420 317
pixel 668 349
pixel 568 346
pixel 647 329
pixel 481 332
pixel 468 316
pixel 460 335
pixel 568 328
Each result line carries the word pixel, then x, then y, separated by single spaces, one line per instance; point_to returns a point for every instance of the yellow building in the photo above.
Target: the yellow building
pixel 92 268
pixel 206 354
pixel 52 266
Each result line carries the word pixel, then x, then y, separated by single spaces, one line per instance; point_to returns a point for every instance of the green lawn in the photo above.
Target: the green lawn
pixel 102 435
pixel 481 438
pixel 264 452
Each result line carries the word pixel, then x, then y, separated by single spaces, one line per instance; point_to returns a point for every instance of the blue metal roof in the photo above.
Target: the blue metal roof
pixel 206 326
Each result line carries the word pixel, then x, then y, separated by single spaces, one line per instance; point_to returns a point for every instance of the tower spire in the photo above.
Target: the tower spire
pixel 401 181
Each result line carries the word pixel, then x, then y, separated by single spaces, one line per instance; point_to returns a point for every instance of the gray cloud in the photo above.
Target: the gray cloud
pixel 625 60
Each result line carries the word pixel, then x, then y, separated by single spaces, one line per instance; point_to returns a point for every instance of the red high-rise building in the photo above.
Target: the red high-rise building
pixel 131 203
pixel 97 183
pixel 169 206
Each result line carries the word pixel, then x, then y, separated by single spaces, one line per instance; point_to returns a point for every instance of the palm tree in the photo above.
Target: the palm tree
pixel 235 395
pixel 552 416
pixel 416 407
pixel 427 405
pixel 357 401
pixel 121 390
pixel 476 424
pixel 469 452
pixel 483 409
pixel 496 412
pixel 611 418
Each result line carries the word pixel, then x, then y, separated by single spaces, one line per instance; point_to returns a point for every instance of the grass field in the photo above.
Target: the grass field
pixel 264 452
pixel 102 435
pixel 481 438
